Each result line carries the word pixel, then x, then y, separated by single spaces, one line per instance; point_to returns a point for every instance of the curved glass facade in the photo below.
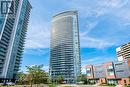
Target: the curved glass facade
pixel 65 48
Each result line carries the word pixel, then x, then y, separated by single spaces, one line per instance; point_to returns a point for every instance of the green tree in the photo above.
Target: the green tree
pixel 36 75
pixel 79 79
pixel 21 77
pixel 59 79
pixel 82 78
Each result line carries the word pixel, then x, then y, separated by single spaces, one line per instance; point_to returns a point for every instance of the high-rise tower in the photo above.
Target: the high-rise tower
pixel 65 47
pixel 123 52
pixel 12 37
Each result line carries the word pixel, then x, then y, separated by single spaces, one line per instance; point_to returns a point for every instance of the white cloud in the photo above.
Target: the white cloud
pixel 99 8
pixel 127 24
pixel 118 9
pixel 113 3
pixel 88 28
pixel 38 36
pixel 89 42
pixel 36 51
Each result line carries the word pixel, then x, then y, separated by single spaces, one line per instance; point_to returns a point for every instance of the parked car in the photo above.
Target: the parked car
pixel 10 83
pixel 3 84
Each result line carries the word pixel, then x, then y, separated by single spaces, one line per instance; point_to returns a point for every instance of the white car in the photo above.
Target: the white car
pixel 10 83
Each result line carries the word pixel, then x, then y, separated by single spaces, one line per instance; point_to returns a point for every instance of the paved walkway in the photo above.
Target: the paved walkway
pixel 78 85
pixel 86 86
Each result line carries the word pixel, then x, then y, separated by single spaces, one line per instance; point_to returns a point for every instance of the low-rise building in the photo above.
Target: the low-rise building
pixel 110 73
pixel 90 74
pixel 89 70
pixel 122 70
pixel 99 73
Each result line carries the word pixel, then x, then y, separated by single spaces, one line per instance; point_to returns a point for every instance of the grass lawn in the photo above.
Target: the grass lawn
pixel 107 85
pixel 52 85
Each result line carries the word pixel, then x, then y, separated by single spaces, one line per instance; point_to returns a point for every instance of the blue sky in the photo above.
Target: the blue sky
pixel 103 24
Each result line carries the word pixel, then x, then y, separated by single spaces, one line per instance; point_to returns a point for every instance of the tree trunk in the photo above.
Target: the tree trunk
pixel 31 83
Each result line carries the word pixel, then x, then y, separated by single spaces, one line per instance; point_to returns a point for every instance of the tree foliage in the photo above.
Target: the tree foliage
pixel 21 77
pixel 82 78
pixel 35 75
pixel 60 79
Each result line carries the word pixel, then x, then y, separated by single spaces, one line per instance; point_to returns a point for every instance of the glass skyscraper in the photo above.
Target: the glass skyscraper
pixel 65 47
pixel 12 38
